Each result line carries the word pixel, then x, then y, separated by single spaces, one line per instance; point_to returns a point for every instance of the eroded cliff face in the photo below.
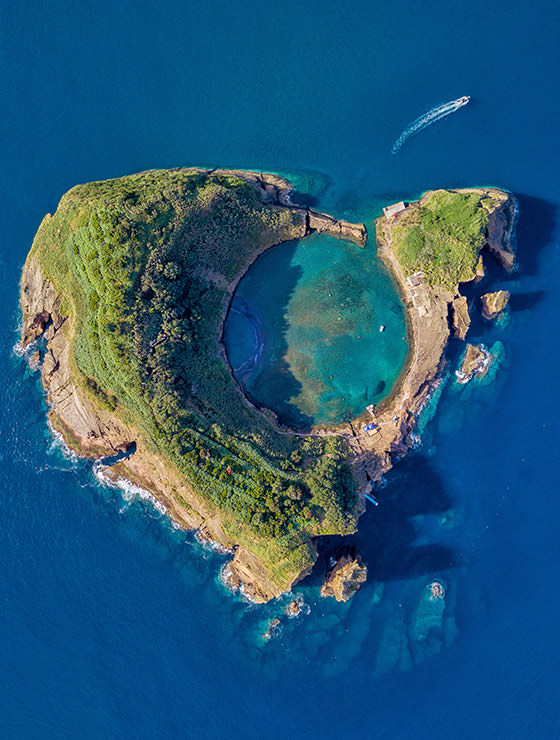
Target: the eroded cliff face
pixel 434 314
pixel 499 233
pixel 94 432
pixel 246 573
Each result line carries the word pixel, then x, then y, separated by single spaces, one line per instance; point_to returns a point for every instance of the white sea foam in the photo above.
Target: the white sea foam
pixel 224 578
pixel 58 443
pixel 304 608
pixel 130 491
pixel 211 545
pixel 416 440
pixel 19 351
pixel 26 353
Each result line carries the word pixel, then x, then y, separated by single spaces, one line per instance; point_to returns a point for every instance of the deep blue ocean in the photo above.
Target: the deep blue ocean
pixel 113 623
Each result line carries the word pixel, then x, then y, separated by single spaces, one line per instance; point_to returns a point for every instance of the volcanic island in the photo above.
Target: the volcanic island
pixel 124 295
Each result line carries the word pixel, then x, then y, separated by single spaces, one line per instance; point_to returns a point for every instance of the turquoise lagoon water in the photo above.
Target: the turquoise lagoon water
pixel 113 624
pixel 316 331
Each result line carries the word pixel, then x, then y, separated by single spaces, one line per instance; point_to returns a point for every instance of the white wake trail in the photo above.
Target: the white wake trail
pixel 433 115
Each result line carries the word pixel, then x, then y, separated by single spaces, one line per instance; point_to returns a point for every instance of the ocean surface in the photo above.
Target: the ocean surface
pixel 114 624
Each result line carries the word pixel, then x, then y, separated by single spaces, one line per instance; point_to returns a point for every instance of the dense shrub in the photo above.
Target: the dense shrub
pixel 443 237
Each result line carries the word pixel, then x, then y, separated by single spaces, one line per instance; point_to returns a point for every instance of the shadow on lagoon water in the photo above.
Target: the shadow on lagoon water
pixel 273 382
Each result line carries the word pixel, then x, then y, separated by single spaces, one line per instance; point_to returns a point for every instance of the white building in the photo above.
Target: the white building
pixel 391 211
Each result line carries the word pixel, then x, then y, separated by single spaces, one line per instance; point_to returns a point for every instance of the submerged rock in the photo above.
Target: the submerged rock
pixel 425 629
pixel 494 303
pixel 394 651
pixel 271 629
pixel 35 360
pixel 345 578
pixel 475 363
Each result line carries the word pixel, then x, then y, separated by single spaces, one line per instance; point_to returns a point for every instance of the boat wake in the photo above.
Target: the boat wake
pixel 432 116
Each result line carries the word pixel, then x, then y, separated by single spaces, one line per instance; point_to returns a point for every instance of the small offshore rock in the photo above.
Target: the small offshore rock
pixel 294 607
pixel 437 591
pixel 345 578
pixel 35 360
pixel 494 303
pixel 425 628
pixel 475 364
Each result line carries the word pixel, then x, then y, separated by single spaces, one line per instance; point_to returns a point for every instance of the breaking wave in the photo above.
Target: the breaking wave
pixel 58 443
pixel 129 491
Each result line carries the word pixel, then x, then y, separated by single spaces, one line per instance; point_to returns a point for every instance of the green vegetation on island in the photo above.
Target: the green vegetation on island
pixel 443 234
pixel 132 279
pixel 145 266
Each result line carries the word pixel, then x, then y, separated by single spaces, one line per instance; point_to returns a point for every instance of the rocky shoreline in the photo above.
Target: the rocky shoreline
pixel 94 432
pixel 434 315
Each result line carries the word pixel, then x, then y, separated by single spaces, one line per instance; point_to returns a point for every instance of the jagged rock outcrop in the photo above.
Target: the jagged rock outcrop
pixel 294 607
pixel 96 432
pixel 345 578
pixel 475 363
pixel 276 190
pixel 460 317
pixel 247 573
pixel 494 303
pixel 324 224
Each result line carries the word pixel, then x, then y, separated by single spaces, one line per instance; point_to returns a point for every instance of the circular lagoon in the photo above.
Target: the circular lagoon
pixel 316 331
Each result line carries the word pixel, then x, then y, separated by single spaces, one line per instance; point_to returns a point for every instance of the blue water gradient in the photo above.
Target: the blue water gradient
pixel 316 331
pixel 113 623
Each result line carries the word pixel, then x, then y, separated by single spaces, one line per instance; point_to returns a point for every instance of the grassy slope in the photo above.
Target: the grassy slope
pixel 143 265
pixel 444 235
